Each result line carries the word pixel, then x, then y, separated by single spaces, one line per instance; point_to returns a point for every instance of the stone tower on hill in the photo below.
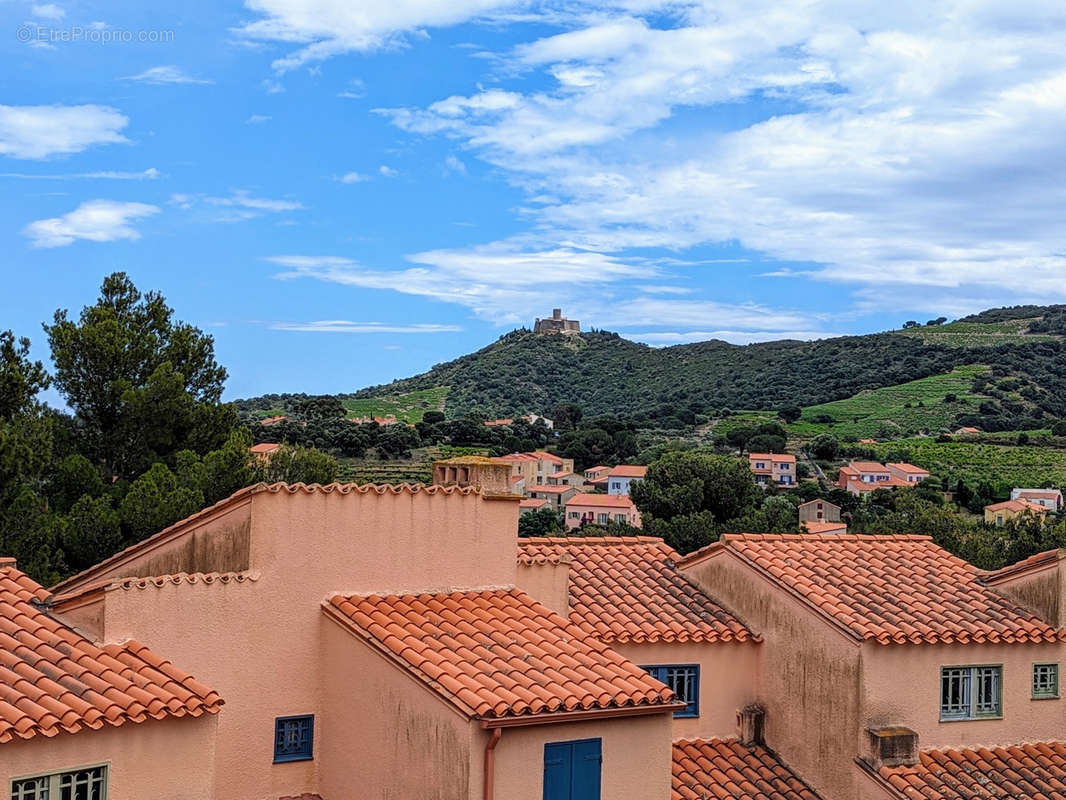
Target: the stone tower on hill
pixel 557 323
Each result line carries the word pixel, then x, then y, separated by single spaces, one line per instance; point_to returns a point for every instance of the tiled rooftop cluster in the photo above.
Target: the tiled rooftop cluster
pixel 54 680
pixel 892 589
pixel 720 768
pixel 628 589
pixel 499 653
pixel 1025 772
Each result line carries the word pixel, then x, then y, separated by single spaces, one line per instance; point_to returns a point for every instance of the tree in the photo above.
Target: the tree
pixel 156 500
pixel 937 321
pixel 824 446
pixel 433 417
pixel 20 378
pixel 566 416
pixel 684 494
pixel 542 522
pixel 765 443
pixel 300 465
pixel 911 324
pixel 126 366
pixel 93 532
pixel 1059 428
pixel 790 413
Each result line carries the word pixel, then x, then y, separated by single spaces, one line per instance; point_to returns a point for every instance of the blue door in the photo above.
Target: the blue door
pixel 572 770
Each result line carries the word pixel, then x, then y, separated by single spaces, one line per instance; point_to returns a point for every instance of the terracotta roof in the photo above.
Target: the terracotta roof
pixel 822 526
pixel 628 589
pixel 781 457
pixel 550 488
pixel 544 455
pixel 1017 505
pixel 499 653
pixel 53 679
pixel 1044 494
pixel 716 769
pixel 274 488
pixel 1046 558
pixel 628 471
pixel 599 468
pixel 903 466
pixel 600 500
pixel 1025 771
pixel 265 447
pixel 891 589
pixel 868 466
pixel 531 502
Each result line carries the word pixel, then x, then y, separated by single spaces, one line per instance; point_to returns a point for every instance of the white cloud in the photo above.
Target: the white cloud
pixel 321 29
pixel 351 177
pixel 257 119
pixel 914 146
pixel 239 206
pixel 356 90
pixel 149 174
pixel 94 220
pixel 165 74
pixel 243 199
pixel 453 165
pixel 347 326
pixel 49 11
pixel 388 172
pixel 42 131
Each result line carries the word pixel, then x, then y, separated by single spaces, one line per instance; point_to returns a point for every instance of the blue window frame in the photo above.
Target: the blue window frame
pixel 572 770
pixel 294 738
pixel 684 679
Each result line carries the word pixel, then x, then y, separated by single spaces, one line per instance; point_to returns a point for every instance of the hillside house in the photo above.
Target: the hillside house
pixel 537 466
pixel 564 478
pixel 1051 499
pixel 773 468
pixel 819 510
pixel 264 451
pixel 862 477
pixel 1009 510
pixel 555 496
pixel 528 505
pixel 599 509
pixel 908 473
pixel 620 478
pixel 814 526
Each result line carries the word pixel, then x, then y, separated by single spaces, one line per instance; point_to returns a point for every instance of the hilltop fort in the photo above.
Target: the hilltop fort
pixel 557 323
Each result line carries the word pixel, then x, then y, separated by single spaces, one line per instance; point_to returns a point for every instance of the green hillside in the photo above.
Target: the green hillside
pixel 409 407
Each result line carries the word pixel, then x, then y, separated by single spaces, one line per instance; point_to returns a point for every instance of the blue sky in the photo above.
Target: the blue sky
pixel 343 193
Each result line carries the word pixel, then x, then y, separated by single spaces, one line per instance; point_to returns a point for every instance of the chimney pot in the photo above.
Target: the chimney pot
pixel 750 720
pixel 892 747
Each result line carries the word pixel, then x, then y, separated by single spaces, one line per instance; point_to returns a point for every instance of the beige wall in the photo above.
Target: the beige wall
pixel 548 583
pixel 902 687
pixel 1039 590
pixel 636 757
pixel 810 674
pixel 728 680
pixel 387 733
pixel 168 759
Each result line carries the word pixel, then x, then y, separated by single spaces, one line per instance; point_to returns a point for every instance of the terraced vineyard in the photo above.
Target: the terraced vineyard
pixel 417 469
pixel 978 334
pixel 1000 465
pixel 407 407
pixel 896 411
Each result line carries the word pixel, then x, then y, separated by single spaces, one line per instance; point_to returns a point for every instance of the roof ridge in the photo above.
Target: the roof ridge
pixel 604 540
pixel 176 578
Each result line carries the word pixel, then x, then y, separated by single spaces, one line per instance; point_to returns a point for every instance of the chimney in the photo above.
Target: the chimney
pixel 891 747
pixel 8 561
pixel 490 476
pixel 750 720
pixel 557 313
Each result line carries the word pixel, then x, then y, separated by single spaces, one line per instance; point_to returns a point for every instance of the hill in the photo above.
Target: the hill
pixel 1010 380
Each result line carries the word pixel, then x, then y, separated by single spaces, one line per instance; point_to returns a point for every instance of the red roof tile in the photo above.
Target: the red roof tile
pixel 499 653
pixel 53 679
pixel 824 526
pixel 265 447
pixel 891 589
pixel 1037 561
pixel 1028 771
pixel 903 466
pixel 627 589
pixel 551 489
pixel 628 471
pixel 532 502
pixel 716 769
pixel 600 500
pixel 1018 506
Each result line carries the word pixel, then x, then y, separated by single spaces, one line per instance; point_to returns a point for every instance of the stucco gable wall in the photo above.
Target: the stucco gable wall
pixel 1041 591
pixel 808 678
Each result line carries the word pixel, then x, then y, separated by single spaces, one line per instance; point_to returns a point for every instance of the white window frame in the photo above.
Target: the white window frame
pixel 1040 691
pixel 51 782
pixel 972 678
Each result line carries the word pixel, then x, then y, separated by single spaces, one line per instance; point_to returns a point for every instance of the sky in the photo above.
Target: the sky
pixel 343 192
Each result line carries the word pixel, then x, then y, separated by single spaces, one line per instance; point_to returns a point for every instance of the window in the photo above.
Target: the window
pixel 970 692
pixel 684 679
pixel 572 770
pixel 574 514
pixel 619 517
pixel 80 784
pixel 1045 681
pixel 603 519
pixel 294 738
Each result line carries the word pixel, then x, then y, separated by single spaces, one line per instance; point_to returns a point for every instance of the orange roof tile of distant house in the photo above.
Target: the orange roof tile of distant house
pixel 273 420
pixel 781 458
pixel 822 526
pixel 895 589
pixel 1017 506
pixel 1023 771
pixel 724 769
pixel 868 466
pixel 54 680
pixel 265 448
pixel 515 457
pixel 1042 494
pixel 532 502
pixel 628 589
pixel 496 423
pixel 599 468
pixel 968 429
pixel 549 488
pixel 544 455
pixel 499 654
pixel 867 441
pixel 599 500
pixel 628 471
pixel 903 466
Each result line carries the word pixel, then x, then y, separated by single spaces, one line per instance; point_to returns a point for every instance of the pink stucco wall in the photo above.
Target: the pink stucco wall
pixel 901 686
pixel 167 759
pixel 728 681
pixel 258 643
pixel 636 757
pixel 809 675
pixel 548 583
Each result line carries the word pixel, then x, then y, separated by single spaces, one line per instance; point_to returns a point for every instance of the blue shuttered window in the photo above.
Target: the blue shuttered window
pixel 684 679
pixel 572 770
